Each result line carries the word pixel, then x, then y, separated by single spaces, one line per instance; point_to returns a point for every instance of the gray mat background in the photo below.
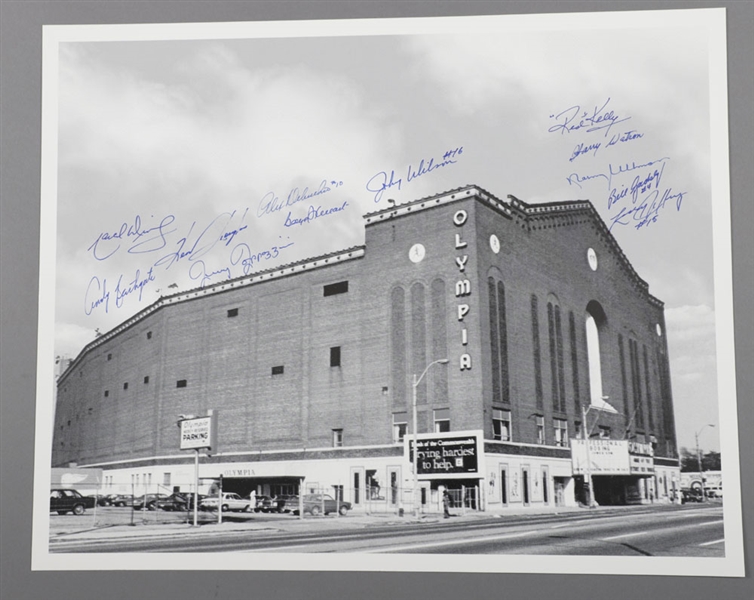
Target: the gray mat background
pixel 20 108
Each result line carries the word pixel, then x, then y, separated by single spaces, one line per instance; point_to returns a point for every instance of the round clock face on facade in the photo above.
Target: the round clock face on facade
pixel 591 256
pixel 417 252
pixel 494 243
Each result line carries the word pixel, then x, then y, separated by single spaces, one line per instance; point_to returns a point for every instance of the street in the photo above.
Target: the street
pixel 667 530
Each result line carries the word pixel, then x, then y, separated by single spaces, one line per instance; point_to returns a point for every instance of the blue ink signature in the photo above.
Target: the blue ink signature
pixel 242 254
pixel 198 270
pixel 212 234
pixel 638 186
pixel 132 230
pixel 313 214
pixel 576 179
pixel 574 119
pixel 97 289
pixel 648 211
pixel 583 148
pixel 381 182
pixel 270 203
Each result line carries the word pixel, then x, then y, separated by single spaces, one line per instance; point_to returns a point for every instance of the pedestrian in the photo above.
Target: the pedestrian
pixel 446 503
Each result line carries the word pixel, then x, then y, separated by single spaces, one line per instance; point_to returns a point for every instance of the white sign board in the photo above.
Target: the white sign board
pixel 196 433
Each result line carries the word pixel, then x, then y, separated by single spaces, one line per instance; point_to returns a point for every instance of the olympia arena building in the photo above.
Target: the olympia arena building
pixel 551 339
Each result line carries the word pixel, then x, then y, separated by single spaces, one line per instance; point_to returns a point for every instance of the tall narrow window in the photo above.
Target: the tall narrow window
pixel 335 356
pixel 636 384
pixel 649 392
pixel 442 420
pixel 596 321
pixel 501 425
pixel 498 340
pixel 536 351
pixel 574 362
pixel 624 384
pixel 398 370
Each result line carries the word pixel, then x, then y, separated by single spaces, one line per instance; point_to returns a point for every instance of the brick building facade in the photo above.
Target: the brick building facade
pixel 309 367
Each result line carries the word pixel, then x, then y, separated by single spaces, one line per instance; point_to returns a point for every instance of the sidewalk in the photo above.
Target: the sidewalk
pixel 291 524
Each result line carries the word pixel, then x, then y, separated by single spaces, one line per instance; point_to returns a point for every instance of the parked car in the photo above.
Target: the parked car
pixel 314 504
pixel 714 491
pixel 263 504
pixel 105 500
pixel 285 503
pixel 122 500
pixel 231 502
pixel 177 501
pixel 148 501
pixel 691 495
pixel 65 500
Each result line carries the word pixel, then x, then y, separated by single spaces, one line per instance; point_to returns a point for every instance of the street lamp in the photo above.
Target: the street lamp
pixel 417 381
pixel 699 456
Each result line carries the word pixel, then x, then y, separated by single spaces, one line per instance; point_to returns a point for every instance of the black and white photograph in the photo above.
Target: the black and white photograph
pixel 319 295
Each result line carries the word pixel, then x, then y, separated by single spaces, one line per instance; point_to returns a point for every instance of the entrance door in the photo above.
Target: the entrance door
pixel 559 492
pixel 525 484
pixel 394 486
pixel 357 486
pixel 504 485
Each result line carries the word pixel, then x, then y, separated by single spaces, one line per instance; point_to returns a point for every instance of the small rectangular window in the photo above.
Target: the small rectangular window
pixel 278 370
pixel 336 288
pixel 149 335
pixel 540 430
pixel 501 425
pixel 107 393
pixel 561 432
pixel 181 383
pixel 233 312
pixel 109 357
pixel 146 379
pixel 400 427
pixel 335 356
pixel 337 438
pixel 442 420
pixel 125 385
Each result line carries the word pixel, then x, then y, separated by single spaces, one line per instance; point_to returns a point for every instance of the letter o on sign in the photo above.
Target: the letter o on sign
pixel 460 217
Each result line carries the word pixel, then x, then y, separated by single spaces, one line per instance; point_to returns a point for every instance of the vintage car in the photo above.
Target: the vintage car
pixel 64 501
pixel 231 502
pixel 315 504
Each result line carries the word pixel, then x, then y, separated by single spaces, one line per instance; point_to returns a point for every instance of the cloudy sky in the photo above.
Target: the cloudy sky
pixel 218 147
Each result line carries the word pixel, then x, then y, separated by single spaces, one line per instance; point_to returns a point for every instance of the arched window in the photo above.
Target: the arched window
pixel 595 321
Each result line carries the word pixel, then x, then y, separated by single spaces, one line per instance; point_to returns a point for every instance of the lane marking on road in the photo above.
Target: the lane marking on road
pixel 656 531
pixel 491 538
pixel 713 542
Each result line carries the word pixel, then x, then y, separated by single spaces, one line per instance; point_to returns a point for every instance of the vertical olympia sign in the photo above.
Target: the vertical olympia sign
pixel 463 288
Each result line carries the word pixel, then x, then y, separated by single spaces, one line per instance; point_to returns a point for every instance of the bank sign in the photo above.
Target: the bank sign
pixel 447 455
pixel 198 433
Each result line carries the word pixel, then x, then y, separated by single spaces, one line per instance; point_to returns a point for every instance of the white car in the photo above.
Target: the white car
pixel 231 501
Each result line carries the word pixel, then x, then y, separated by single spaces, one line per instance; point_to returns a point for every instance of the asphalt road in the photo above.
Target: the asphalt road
pixel 691 530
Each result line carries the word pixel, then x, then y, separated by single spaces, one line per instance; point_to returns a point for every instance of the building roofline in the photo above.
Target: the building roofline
pixel 515 209
pixel 304 265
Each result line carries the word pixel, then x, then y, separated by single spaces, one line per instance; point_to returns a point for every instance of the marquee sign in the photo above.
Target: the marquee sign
pixel 447 456
pixel 611 457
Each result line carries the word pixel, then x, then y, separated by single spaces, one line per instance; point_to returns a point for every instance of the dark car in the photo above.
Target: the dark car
pixel 263 504
pixel 692 495
pixel 105 500
pixel 314 504
pixel 64 501
pixel 178 501
pixel 285 503
pixel 148 501
pixel 122 500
